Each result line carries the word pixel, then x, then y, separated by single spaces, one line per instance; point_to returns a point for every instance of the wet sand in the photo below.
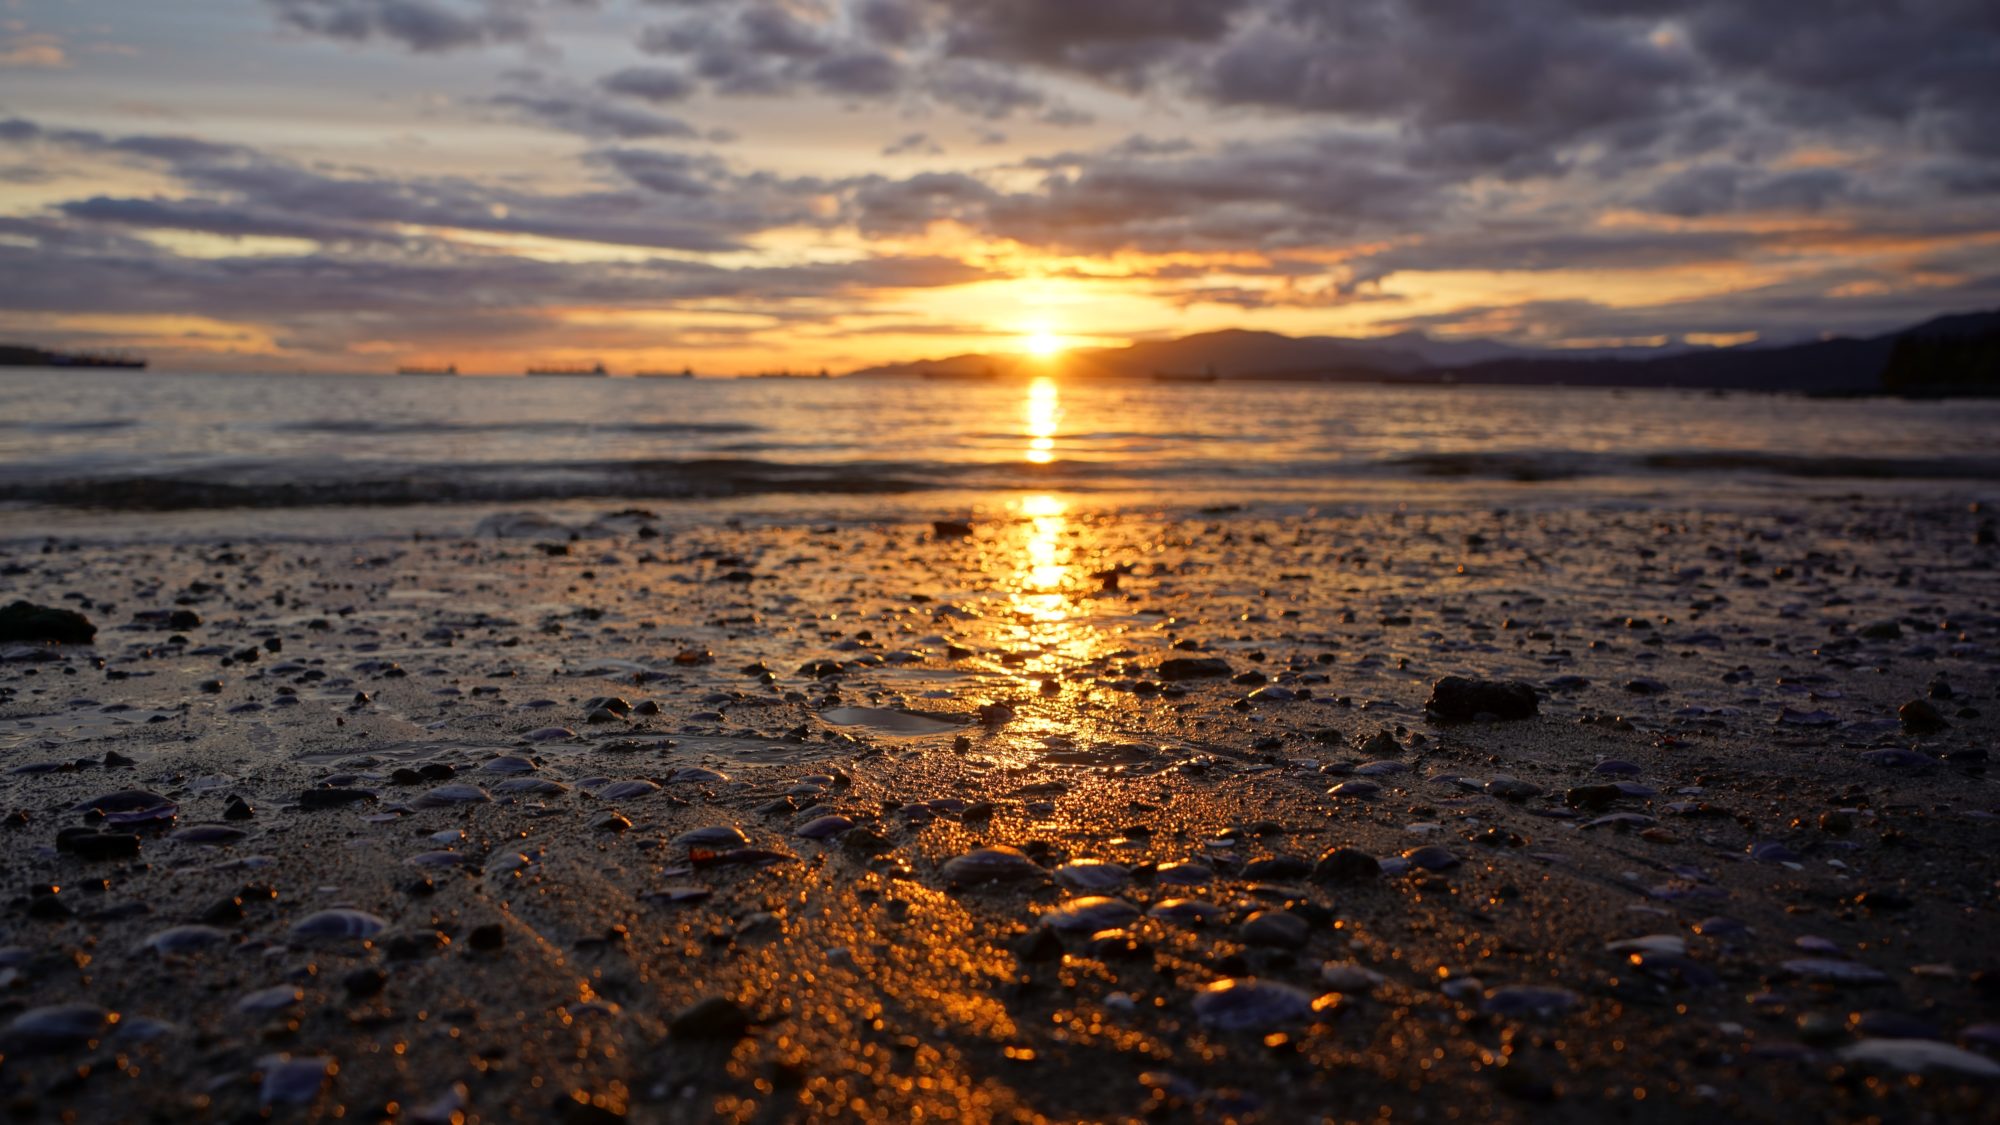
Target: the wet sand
pixel 490 753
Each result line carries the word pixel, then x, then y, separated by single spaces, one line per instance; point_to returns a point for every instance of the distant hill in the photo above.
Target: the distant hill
pixel 1950 354
pixel 1836 366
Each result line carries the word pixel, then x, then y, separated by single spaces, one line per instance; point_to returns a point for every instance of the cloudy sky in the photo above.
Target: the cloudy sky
pixel 739 185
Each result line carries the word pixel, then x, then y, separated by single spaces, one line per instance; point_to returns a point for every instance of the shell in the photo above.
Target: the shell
pixel 1249 1004
pixel 338 923
pixel 508 764
pixel 1358 787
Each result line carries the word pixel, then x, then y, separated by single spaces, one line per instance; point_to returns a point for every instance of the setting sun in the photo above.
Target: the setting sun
pixel 1042 344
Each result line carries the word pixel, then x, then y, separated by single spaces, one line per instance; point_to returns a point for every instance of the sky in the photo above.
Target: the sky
pixel 747 185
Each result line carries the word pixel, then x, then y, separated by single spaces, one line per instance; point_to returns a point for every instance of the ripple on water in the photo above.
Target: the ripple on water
pixel 892 721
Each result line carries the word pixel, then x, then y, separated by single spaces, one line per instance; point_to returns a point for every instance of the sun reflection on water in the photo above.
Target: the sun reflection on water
pixel 1044 416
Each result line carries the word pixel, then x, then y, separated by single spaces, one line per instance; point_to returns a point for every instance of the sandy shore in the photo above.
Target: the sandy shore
pixel 485 758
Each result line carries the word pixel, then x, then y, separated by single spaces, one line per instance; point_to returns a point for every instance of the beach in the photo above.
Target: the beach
pixel 1073 810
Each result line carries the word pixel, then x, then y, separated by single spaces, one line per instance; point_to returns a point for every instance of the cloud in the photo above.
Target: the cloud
pixel 265 188
pixel 32 52
pixel 917 144
pixel 425 26
pixel 585 116
pixel 654 84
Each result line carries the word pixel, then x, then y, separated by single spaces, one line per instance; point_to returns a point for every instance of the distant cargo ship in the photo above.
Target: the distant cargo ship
pixel 593 369
pixel 688 373
pixel 20 355
pixel 447 369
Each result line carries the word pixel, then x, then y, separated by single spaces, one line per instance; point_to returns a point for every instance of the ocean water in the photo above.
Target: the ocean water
pixel 84 446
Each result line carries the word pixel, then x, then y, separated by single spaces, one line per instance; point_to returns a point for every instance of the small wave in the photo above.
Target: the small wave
pixel 80 426
pixel 393 427
pixel 1543 465
pixel 299 486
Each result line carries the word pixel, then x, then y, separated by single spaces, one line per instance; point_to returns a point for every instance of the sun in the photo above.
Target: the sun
pixel 1042 344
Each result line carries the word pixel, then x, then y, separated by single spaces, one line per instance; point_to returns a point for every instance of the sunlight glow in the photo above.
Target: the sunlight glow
pixel 1044 417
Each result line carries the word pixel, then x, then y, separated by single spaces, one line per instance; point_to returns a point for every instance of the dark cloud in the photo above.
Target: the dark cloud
pixel 1294 191
pixel 654 84
pixel 673 202
pixel 419 25
pixel 588 117
pixel 1118 40
pixel 913 144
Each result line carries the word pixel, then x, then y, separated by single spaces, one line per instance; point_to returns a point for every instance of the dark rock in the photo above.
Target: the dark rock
pixel 1458 699
pixel 312 799
pixel 1919 717
pixel 1346 865
pixel 714 1018
pixel 25 621
pixel 1192 668
pixel 100 845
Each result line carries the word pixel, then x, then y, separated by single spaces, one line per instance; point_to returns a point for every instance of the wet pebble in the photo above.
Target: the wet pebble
pixel 1092 913
pixel 823 827
pixel 713 836
pixel 1516 1001
pixel 293 1081
pixel 998 864
pixel 338 924
pixel 1092 875
pixel 56 1027
pixel 1249 1004
pixel 458 793
pixel 184 939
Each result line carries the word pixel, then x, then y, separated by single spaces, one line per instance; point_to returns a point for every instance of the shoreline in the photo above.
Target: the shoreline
pixel 1716 768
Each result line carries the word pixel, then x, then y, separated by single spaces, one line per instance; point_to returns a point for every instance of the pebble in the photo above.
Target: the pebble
pixel 1347 976
pixel 338 923
pixel 1919 1056
pixel 1092 875
pixel 293 1081
pixel 1249 1004
pixel 184 939
pixel 56 1027
pixel 1092 913
pixel 998 864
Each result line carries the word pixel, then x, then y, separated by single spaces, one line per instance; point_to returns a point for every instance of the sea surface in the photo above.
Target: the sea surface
pixel 87 448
